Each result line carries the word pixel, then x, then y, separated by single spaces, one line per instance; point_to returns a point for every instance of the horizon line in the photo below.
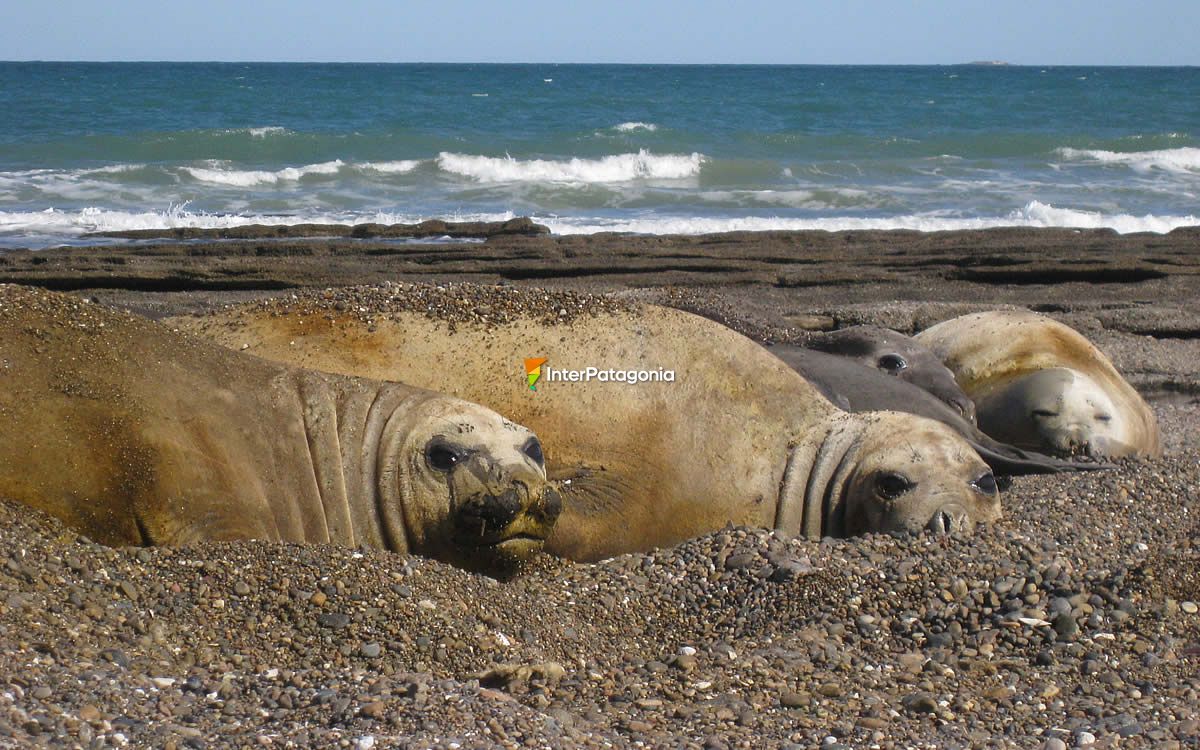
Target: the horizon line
pixel 970 64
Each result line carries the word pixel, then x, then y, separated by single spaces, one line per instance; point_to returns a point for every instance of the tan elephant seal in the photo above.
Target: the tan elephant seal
pixel 1040 385
pixel 660 425
pixel 133 434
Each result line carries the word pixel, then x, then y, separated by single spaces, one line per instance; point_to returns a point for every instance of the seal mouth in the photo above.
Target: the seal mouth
pixel 505 539
pixel 506 520
pixel 522 532
pixel 517 543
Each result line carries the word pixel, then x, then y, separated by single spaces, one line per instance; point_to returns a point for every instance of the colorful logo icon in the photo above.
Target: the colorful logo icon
pixel 533 371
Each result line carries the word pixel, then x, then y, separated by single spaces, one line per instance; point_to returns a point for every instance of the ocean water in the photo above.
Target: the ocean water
pixel 90 147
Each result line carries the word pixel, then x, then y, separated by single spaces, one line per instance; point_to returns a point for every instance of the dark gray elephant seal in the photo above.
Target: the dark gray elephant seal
pixel 734 435
pixel 132 434
pixel 1039 384
pixel 854 387
pixel 894 354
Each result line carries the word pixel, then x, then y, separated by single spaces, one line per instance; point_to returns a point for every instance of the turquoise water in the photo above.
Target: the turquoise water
pixel 582 148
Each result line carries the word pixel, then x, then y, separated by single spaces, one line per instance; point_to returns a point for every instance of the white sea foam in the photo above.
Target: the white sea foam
pixel 629 127
pixel 390 167
pixel 817 199
pixel 112 169
pixel 1033 214
pixel 251 178
pixel 268 130
pixel 54 222
pixel 1180 160
pixel 41 228
pixel 616 168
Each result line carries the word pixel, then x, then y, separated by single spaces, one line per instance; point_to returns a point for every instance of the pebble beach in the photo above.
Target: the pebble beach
pixel 1073 622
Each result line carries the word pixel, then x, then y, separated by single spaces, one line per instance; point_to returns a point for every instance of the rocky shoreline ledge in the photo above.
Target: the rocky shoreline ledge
pixel 1071 623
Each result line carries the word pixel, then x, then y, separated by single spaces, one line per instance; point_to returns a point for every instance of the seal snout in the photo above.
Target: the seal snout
pixel 950 519
pixel 485 514
pixel 1075 440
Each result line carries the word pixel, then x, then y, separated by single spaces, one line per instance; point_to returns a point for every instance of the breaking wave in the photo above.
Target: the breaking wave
pixel 1168 159
pixel 252 178
pixel 629 127
pixel 617 168
pixel 1033 214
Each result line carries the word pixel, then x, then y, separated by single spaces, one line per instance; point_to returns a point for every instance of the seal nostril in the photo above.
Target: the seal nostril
pixel 551 505
pixel 946 523
pixel 491 511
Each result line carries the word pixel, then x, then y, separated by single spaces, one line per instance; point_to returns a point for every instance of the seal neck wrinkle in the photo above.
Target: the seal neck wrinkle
pixel 345 421
pixel 818 468
pixel 384 458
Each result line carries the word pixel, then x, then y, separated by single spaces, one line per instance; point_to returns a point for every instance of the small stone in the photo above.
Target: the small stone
pixel 42 692
pixel 1190 607
pixel 739 561
pixel 336 620
pixel 684 662
pixel 371 650
pixel 919 703
pixel 1083 739
pixel 89 713
pixel 792 699
pixel 241 588
pixel 318 598
pixel 1054 743
pixel 374 710
pixel 830 690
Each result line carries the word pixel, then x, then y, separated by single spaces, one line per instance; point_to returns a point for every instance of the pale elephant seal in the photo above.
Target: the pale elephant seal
pixel 712 430
pixel 1039 384
pixel 893 353
pixel 854 387
pixel 132 434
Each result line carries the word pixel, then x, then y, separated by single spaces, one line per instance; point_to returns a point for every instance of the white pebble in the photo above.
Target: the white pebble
pixel 366 742
pixel 687 651
pixel 1085 738
pixel 1189 607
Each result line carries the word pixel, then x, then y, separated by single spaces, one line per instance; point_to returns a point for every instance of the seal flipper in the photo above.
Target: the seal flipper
pixel 1012 461
pixel 587 490
pixel 596 520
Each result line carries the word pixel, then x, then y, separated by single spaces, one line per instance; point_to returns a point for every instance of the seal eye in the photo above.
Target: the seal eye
pixel 1103 417
pixel 986 484
pixel 533 449
pixel 441 456
pixel 892 363
pixel 1044 413
pixel 892 485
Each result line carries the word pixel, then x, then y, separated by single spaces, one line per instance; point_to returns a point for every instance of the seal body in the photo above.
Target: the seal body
pixel 133 434
pixel 891 353
pixel 1039 384
pixel 733 435
pixel 855 387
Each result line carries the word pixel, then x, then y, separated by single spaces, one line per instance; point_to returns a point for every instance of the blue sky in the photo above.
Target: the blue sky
pixel 1050 32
